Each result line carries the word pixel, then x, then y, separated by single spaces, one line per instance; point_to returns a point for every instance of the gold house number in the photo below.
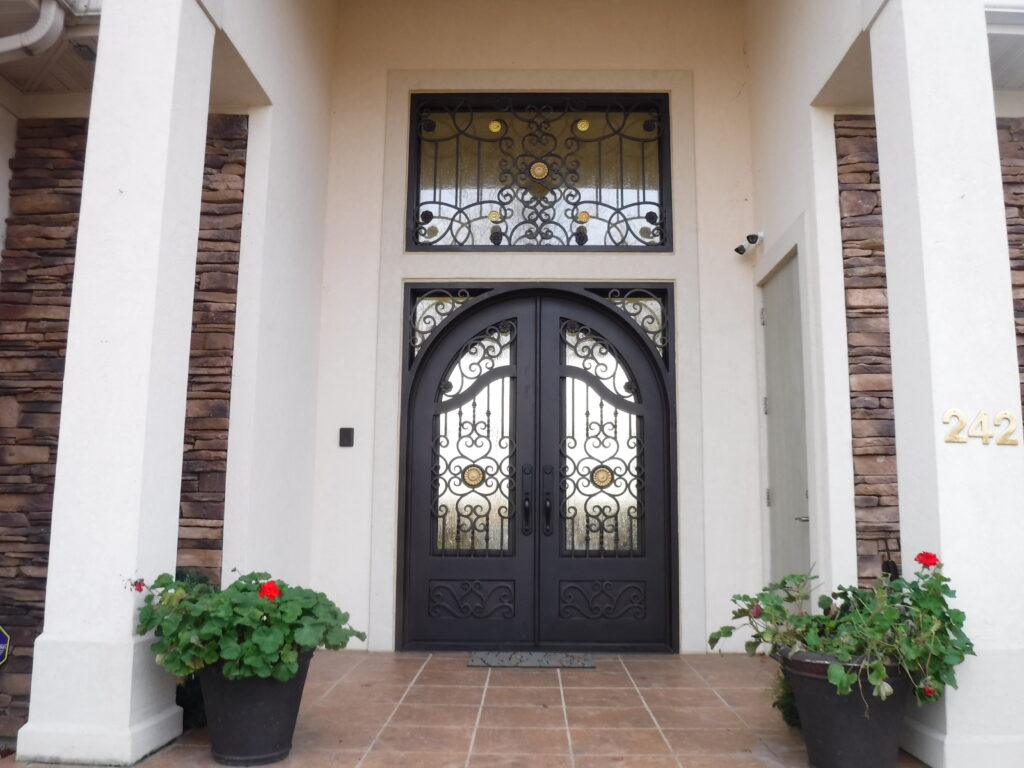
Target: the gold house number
pixel 981 427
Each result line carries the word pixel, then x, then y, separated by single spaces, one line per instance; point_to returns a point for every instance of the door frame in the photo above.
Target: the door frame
pixel 587 292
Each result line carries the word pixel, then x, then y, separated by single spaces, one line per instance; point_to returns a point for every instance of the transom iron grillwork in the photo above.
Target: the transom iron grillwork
pixel 539 172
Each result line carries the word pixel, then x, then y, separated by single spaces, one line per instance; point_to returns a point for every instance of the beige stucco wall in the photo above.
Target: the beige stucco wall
pixel 385 49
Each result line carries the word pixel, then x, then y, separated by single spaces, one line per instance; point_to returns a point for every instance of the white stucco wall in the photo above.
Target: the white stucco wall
pixel 268 520
pixel 795 47
pixel 384 50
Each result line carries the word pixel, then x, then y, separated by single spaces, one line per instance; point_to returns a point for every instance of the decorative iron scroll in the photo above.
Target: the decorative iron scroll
pixel 528 172
pixel 473 471
pixel 646 310
pixel 471 599
pixel 587 350
pixel 490 349
pixel 602 600
pixel 601 471
pixel 429 311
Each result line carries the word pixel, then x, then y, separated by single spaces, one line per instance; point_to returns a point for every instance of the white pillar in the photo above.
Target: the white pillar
pixel 953 346
pixel 97 694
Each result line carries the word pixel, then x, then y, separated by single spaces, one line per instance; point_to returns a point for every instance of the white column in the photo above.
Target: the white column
pixel 953 346
pixel 97 694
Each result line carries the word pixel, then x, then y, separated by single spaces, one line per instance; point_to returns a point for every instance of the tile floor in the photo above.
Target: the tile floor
pixel 368 710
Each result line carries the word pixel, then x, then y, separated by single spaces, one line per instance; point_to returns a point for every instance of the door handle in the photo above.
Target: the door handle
pixel 802 519
pixel 527 483
pixel 549 475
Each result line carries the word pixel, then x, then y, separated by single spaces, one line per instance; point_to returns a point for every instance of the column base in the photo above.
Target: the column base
pixel 976 725
pixel 52 743
pixel 97 702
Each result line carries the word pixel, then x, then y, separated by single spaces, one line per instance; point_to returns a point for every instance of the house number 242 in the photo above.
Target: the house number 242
pixel 981 427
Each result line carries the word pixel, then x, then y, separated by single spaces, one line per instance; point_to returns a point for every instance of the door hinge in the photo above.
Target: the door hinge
pixel 766 405
pixel 763 316
pixel 768 496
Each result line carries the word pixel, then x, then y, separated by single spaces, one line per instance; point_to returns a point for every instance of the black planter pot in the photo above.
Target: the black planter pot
pixel 844 731
pixel 251 720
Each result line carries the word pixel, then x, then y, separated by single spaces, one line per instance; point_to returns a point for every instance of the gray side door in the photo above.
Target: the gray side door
pixel 787 443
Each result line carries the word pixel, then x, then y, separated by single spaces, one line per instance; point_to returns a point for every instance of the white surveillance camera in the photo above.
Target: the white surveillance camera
pixel 755 238
pixel 740 249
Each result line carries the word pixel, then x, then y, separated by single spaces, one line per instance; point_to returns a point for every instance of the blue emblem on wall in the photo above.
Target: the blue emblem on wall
pixel 5 645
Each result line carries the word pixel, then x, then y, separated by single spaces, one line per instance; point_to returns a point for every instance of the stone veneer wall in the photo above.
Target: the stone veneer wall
pixel 35 294
pixel 867 325
pixel 213 341
pixel 867 321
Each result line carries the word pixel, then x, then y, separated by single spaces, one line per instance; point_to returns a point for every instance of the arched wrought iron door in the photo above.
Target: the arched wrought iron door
pixel 538 488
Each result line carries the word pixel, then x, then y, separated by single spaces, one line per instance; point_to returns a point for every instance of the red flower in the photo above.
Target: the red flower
pixel 929 692
pixel 756 610
pixel 269 590
pixel 138 585
pixel 927 559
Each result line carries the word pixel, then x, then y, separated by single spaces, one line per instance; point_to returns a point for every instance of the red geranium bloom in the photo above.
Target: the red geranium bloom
pixel 929 692
pixel 269 590
pixel 138 584
pixel 927 559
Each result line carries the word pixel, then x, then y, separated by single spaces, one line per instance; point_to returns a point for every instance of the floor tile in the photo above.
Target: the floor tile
pixel 389 759
pixel 423 738
pixel 720 761
pixel 759 717
pixel 711 741
pixel 435 714
pixel 626 761
pixel 609 717
pixel 617 741
pixel 596 678
pixel 523 696
pixel 683 697
pixel 602 697
pixel 521 740
pixel 747 697
pixel 464 695
pixel 518 717
pixel 462 676
pixel 364 692
pixel 520 761
pixel 546 678
pixel 696 717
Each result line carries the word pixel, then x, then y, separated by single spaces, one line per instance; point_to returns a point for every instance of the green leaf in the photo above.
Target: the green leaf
pixel 268 639
pixel 309 636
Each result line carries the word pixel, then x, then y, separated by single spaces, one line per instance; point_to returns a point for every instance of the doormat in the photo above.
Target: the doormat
pixel 530 659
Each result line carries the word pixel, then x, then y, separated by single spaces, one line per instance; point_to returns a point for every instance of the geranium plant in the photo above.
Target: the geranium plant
pixel 257 626
pixel 904 623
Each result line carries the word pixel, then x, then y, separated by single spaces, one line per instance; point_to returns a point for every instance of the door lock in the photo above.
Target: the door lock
pixel 549 476
pixel 527 485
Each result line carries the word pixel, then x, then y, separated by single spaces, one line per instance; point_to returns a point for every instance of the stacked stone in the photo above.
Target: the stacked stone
pixel 1011 152
pixel 213 336
pixel 867 322
pixel 35 296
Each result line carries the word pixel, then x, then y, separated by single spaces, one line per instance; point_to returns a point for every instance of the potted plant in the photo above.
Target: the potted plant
pixel 250 644
pixel 890 640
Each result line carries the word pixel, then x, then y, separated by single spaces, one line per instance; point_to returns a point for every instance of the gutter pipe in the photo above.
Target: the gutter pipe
pixel 39 38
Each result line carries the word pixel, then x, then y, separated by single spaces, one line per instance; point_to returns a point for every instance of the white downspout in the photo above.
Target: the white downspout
pixel 40 37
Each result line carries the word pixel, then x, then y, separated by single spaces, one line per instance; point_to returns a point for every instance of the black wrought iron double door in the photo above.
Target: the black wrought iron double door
pixel 538 483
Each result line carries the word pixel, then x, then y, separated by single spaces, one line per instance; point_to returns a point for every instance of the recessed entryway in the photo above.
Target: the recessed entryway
pixel 538 488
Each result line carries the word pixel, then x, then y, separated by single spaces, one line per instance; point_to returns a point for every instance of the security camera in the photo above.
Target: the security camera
pixel 756 238
pixel 740 249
